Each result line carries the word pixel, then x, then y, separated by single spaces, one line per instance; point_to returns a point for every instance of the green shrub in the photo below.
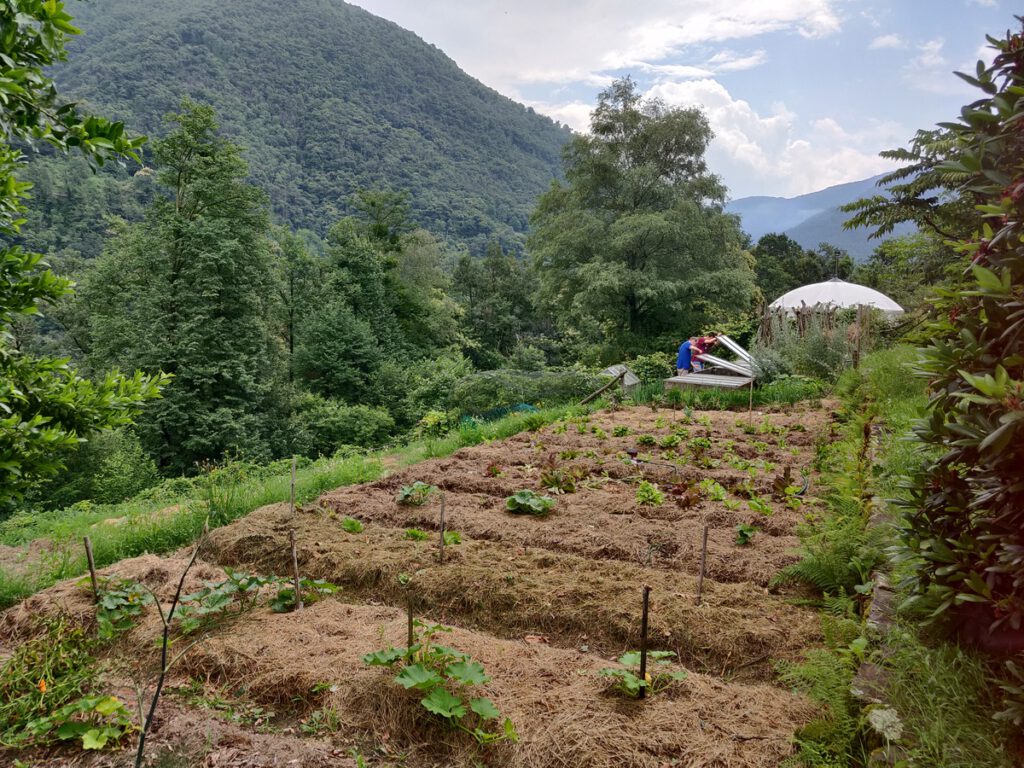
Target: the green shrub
pixel 108 469
pixel 490 390
pixel 653 368
pixel 319 425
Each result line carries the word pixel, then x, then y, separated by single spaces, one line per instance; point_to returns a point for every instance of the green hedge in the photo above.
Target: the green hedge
pixel 490 390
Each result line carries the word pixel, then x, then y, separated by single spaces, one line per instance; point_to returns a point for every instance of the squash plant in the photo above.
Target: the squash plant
pixel 527 502
pixel 965 519
pixel 626 679
pixel 445 676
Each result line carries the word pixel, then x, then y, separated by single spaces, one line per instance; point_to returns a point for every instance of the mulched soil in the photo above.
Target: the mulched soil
pixel 542 603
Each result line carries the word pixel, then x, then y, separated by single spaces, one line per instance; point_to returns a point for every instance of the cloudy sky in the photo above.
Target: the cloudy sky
pixel 802 94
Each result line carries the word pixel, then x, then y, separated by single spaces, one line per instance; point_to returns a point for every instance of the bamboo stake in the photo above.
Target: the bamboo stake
pixel 295 571
pixel 92 568
pixel 643 642
pixel 703 562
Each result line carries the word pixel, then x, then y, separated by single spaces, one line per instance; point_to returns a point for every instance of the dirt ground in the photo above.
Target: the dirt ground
pixel 543 603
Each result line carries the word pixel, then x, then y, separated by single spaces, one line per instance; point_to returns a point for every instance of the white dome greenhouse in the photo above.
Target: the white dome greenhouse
pixel 836 293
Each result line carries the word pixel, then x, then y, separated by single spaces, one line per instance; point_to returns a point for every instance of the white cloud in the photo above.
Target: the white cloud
pixel 730 61
pixel 984 3
pixel 776 150
pixel 497 42
pixel 887 41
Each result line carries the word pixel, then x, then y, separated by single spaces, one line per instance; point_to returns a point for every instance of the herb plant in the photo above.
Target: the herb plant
pixel 415 534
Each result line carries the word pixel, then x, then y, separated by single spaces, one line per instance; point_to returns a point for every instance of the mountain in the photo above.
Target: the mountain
pixel 812 218
pixel 327 99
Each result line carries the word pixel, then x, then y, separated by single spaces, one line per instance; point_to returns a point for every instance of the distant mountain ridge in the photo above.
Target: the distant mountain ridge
pixel 327 99
pixel 812 218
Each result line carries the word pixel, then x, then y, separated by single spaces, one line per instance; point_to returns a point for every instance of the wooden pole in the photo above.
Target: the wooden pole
pixel 92 569
pixel 408 606
pixel 441 550
pixel 293 488
pixel 703 563
pixel 750 405
pixel 295 571
pixel 643 642
pixel 602 390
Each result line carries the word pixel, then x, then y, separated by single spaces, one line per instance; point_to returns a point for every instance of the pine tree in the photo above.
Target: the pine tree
pixel 189 292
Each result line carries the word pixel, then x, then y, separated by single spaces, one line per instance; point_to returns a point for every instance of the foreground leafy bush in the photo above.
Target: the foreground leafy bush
pixel 965 531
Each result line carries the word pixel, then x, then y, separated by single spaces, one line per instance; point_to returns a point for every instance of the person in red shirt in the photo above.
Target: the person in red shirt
pixel 701 345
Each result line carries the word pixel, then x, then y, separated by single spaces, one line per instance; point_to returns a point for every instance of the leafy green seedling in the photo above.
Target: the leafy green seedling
pixel 669 441
pixel 452 537
pixel 627 681
pixel 415 534
pixel 649 495
pixel 646 440
pixel 757 504
pixel 526 502
pixel 745 533
pixel 714 491
pixel 620 431
pixel 415 495
pixel 351 525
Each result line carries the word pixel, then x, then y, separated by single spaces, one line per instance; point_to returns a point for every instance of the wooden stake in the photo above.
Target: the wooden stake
pixel 750 406
pixel 441 551
pixel 92 569
pixel 408 606
pixel 295 570
pixel 293 488
pixel 703 562
pixel 643 641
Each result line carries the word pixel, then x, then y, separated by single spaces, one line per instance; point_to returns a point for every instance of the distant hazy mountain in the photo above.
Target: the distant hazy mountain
pixel 812 218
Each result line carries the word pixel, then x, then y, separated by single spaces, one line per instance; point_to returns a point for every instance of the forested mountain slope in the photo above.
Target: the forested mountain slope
pixel 328 99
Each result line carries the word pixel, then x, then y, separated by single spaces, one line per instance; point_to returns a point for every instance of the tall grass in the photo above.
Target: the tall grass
pixel 163 522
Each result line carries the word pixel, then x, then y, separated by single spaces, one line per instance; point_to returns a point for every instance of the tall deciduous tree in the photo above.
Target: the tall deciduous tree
pixel 46 408
pixel 188 292
pixel 636 245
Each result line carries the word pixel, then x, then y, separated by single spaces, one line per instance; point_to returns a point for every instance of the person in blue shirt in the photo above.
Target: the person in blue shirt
pixel 683 359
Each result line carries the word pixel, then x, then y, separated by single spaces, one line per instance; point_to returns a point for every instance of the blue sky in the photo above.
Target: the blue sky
pixel 802 94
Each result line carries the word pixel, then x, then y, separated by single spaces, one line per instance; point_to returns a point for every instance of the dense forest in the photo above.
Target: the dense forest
pixel 326 99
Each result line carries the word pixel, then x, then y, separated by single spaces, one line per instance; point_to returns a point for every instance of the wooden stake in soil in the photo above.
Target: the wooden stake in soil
pixel 643 642
pixel 408 607
pixel 92 568
pixel 295 570
pixel 293 488
pixel 703 562
pixel 441 550
pixel 750 405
